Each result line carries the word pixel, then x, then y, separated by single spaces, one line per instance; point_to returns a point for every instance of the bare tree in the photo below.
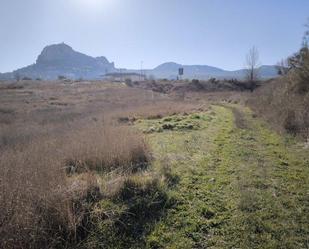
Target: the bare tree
pixel 252 63
pixel 17 76
pixel 283 67
pixel 299 63
pixel 306 35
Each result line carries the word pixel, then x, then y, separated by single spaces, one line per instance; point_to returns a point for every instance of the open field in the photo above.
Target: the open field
pixel 238 184
pixel 104 165
pixel 154 124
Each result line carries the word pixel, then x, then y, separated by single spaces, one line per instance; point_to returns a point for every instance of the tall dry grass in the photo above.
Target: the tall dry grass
pixel 283 107
pixel 48 187
pixel 104 148
pixel 285 100
pixel 63 148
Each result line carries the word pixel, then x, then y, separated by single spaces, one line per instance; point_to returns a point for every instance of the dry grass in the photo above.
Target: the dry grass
pixel 40 202
pixel 284 108
pixel 284 101
pixel 32 187
pixel 62 150
pixel 107 148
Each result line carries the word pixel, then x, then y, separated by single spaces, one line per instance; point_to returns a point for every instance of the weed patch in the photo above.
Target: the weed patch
pixel 176 123
pixel 125 220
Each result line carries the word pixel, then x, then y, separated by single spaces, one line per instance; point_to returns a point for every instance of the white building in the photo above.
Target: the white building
pixel 121 77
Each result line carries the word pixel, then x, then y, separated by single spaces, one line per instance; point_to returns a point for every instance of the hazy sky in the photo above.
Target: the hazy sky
pixel 213 32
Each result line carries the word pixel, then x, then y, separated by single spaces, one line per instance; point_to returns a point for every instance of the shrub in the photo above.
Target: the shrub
pixel 290 122
pixel 284 108
pixel 195 81
pixel 213 80
pixel 168 126
pixel 299 63
pixel 284 101
pixel 17 76
pixel 128 82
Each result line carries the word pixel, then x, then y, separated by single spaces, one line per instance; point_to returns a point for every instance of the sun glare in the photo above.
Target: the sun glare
pixel 93 5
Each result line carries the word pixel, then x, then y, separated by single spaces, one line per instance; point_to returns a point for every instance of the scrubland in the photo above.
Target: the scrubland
pixel 105 165
pixel 284 102
pixel 64 148
pixel 282 106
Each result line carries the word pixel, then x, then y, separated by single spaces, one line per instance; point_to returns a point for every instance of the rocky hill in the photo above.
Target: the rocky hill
pixel 61 59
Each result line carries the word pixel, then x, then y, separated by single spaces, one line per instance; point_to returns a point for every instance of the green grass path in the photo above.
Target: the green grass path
pixel 240 185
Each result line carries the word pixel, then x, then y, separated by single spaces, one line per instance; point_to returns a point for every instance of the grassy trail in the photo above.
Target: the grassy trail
pixel 236 184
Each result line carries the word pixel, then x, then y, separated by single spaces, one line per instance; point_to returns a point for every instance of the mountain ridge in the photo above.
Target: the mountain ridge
pixel 61 59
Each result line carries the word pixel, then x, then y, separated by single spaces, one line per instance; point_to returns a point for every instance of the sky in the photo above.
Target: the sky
pixel 206 32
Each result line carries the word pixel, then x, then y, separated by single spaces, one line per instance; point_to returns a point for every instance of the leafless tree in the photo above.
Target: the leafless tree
pixel 298 64
pixel 17 76
pixel 306 35
pixel 283 67
pixel 252 63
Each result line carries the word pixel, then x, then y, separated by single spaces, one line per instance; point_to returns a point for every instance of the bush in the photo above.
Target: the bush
pixel 299 65
pixel 284 101
pixel 290 122
pixel 128 82
pixel 195 81
pixel 233 81
pixel 213 80
pixel 282 106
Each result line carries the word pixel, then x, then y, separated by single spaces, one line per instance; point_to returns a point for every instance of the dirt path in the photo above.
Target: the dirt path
pixel 239 185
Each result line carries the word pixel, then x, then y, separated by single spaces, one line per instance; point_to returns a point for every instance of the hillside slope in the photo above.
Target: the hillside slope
pixel 61 59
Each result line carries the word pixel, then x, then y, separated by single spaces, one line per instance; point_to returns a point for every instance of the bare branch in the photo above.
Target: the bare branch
pixel 252 63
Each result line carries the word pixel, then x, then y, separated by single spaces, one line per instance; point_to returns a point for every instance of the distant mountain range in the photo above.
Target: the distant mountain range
pixel 170 70
pixel 61 60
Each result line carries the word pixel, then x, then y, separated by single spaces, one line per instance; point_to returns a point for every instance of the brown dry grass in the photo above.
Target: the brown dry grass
pixel 62 148
pixel 45 186
pixel 284 108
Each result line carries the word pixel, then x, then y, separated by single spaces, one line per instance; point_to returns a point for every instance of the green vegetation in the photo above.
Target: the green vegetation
pixel 284 101
pixel 177 122
pixel 199 176
pixel 239 185
pixel 124 220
